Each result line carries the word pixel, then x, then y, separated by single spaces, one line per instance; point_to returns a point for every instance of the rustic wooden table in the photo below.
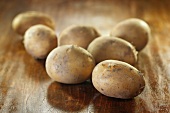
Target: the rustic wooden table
pixel 26 88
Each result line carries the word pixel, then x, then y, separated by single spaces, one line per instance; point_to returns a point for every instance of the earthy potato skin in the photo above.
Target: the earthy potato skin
pixel 117 79
pixel 25 20
pixel 39 40
pixel 133 30
pixel 78 35
pixel 70 64
pixel 107 48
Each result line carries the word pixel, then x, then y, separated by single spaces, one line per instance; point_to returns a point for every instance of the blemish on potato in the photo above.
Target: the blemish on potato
pixel 120 82
pixel 102 49
pixel 73 67
pixel 133 30
pixel 39 40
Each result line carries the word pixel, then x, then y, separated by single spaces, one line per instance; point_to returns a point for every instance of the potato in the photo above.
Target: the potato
pixel 117 79
pixel 69 64
pixel 77 35
pixel 39 40
pixel 133 30
pixel 107 48
pixel 27 19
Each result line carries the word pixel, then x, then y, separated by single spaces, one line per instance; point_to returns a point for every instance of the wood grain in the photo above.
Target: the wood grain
pixel 26 88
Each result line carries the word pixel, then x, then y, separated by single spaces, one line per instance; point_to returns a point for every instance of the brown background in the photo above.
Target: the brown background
pixel 26 88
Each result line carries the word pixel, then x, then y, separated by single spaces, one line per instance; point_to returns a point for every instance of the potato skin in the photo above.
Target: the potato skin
pixel 112 48
pixel 117 79
pixel 25 20
pixel 39 40
pixel 69 64
pixel 133 30
pixel 78 35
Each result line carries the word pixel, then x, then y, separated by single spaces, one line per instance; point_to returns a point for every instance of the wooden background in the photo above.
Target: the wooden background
pixel 26 88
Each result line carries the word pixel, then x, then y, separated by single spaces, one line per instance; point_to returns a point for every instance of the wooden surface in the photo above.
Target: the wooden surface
pixel 26 88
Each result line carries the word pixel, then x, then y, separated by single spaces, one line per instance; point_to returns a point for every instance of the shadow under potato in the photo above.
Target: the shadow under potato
pixel 104 104
pixel 70 97
pixel 74 98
